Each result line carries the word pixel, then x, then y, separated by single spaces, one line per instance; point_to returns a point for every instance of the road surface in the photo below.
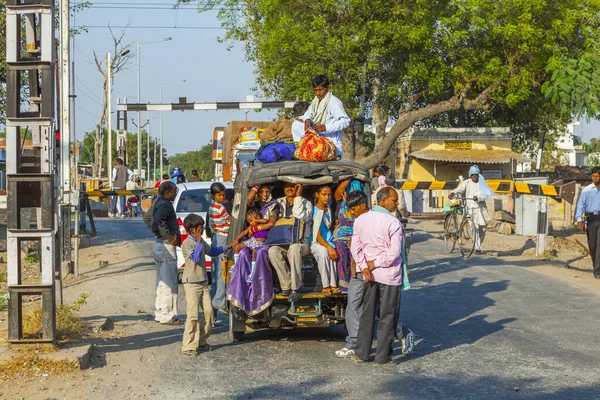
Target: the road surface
pixel 485 330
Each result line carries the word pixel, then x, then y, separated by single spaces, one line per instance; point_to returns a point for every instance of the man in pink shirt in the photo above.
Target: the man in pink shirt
pixel 377 250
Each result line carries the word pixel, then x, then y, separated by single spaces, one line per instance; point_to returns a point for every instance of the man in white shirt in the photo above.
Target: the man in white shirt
pixel 298 125
pixel 326 113
pixel 120 175
pixel 471 188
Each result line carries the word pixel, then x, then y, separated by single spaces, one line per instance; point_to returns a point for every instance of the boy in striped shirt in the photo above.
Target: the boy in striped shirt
pixel 219 220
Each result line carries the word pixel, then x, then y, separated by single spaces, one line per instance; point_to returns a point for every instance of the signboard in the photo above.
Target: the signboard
pixel 492 173
pixel 217 153
pixel 458 144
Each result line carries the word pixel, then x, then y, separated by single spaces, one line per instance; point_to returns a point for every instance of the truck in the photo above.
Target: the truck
pixel 314 309
pixel 234 147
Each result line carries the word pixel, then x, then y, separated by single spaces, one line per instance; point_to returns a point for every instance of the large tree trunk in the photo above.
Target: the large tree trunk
pixel 379 111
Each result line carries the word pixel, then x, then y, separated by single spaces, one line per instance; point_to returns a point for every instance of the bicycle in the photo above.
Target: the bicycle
pixel 463 233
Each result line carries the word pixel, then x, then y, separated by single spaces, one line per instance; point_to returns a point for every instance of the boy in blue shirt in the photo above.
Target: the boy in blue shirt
pixel 195 285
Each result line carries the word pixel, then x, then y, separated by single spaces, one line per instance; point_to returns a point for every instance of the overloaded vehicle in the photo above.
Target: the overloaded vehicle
pixel 313 308
pixel 195 197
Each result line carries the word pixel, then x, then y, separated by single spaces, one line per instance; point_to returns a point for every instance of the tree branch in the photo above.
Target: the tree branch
pixel 407 119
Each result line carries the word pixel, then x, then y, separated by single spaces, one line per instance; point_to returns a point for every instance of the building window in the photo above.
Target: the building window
pixel 580 159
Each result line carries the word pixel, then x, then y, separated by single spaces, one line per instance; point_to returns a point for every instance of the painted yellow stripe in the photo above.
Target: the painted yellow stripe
pixel 549 190
pixel 437 185
pixel 521 187
pixel 409 185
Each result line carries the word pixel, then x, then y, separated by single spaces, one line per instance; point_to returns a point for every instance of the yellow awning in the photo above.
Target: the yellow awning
pixel 470 156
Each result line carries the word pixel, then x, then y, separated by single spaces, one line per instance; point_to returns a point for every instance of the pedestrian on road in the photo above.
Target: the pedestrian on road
pixel 473 189
pixel 195 177
pixel 165 177
pixel 326 113
pixel 589 205
pixel 377 251
pixel 120 175
pixel 219 220
pixel 196 288
pixel 356 202
pixel 166 230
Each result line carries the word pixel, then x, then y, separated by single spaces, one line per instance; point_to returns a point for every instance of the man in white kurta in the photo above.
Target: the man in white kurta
pixel 469 189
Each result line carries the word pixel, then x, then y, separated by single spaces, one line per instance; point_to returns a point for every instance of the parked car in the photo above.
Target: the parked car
pixel 313 309
pixel 194 197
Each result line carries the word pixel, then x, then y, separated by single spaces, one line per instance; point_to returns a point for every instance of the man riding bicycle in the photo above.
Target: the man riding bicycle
pixel 476 207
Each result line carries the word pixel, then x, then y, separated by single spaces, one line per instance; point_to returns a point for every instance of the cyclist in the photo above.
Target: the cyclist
pixel 475 188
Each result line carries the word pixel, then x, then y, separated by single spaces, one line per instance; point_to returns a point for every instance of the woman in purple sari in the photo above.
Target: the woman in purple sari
pixel 256 294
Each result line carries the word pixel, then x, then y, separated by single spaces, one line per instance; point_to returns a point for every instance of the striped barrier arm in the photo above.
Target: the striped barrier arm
pixel 498 186
pixel 103 193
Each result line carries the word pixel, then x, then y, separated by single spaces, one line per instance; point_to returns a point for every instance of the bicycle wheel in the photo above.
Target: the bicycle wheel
pixel 466 237
pixel 450 231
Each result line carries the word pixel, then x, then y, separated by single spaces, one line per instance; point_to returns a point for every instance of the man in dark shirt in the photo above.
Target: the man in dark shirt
pixel 166 230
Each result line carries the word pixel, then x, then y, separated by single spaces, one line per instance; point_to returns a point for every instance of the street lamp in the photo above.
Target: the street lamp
pixel 161 123
pixel 139 48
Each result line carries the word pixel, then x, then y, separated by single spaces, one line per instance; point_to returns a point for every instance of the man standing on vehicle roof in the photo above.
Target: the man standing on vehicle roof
pixel 472 189
pixel 290 272
pixel 326 113
pixel 589 203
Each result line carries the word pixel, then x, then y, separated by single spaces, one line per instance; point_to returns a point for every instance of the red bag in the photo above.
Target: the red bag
pixel 313 147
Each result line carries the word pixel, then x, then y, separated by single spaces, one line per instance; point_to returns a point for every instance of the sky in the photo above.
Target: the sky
pixel 211 71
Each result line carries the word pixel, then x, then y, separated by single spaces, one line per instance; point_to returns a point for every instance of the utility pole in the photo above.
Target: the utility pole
pixel 109 118
pixel 154 165
pixel 139 132
pixel 148 152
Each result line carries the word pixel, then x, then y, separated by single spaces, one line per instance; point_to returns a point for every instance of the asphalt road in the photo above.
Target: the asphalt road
pixel 485 330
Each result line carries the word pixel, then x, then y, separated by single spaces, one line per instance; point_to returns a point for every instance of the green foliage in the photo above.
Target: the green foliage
pixel 81 301
pixel 3 300
pixel 32 258
pixel 87 150
pixel 523 64
pixel 200 160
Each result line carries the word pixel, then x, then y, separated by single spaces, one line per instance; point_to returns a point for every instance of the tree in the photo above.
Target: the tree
pixel 121 55
pixel 89 141
pixel 524 64
pixel 200 160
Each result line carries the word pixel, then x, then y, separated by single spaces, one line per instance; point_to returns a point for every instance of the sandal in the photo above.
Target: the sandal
pixel 174 321
pixel 326 291
pixel 190 353
pixel 336 290
pixel 205 347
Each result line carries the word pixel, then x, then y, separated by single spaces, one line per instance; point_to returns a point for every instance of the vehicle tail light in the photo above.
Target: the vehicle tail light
pixel 208 264
pixel 182 230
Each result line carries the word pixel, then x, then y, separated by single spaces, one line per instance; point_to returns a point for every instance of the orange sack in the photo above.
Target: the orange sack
pixel 313 147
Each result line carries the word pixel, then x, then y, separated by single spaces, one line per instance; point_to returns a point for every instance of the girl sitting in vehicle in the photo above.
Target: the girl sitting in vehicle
pixel 254 295
pixel 321 240
pixel 257 232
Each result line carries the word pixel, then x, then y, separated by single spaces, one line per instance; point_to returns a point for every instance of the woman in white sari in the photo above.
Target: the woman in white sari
pixel 321 241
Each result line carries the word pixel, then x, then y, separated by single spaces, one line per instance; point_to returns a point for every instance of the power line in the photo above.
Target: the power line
pixel 85 111
pixel 89 90
pixel 151 27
